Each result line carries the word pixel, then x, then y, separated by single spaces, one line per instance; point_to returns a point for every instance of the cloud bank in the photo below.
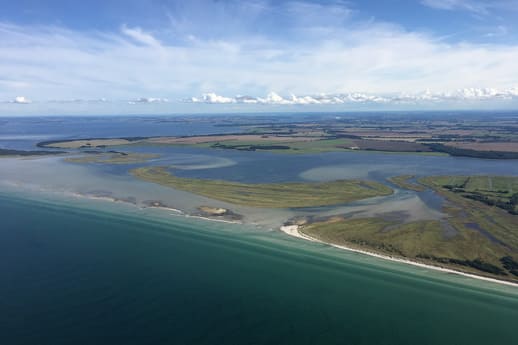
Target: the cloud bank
pixel 272 98
pixel 468 94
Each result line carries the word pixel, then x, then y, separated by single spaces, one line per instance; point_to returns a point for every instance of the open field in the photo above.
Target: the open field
pixel 113 158
pixel 461 152
pixel 228 138
pixel 494 191
pixel 252 142
pixel 390 145
pixel 301 147
pixel 278 195
pixel 487 146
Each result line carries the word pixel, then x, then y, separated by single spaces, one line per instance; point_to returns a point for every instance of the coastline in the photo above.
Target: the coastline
pixel 110 199
pixel 293 230
pixel 290 230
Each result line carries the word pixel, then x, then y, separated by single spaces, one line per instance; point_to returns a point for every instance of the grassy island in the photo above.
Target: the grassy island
pixel 274 195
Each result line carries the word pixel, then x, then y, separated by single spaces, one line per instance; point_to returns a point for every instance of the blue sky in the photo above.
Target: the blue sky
pixel 78 57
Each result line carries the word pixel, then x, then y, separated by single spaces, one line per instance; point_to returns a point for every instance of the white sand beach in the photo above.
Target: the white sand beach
pixel 293 230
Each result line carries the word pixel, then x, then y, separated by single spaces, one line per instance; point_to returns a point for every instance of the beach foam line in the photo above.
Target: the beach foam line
pixel 293 230
pixel 177 211
pixel 165 208
pixel 214 220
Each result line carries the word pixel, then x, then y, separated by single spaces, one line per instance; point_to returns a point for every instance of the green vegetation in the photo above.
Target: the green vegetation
pixel 494 137
pixel 496 191
pixel 321 143
pixel 87 143
pixel 476 236
pixel 249 146
pixel 425 241
pixel 403 182
pixel 457 151
pixel 113 158
pixel 313 146
pixel 377 234
pixel 278 195
pixel 510 264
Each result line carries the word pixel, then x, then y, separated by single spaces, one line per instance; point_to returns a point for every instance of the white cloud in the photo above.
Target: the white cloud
pixel 212 98
pixel 468 94
pixel 78 101
pixel 469 5
pixel 479 7
pixel 140 36
pixel 273 98
pixel 148 100
pixel 21 100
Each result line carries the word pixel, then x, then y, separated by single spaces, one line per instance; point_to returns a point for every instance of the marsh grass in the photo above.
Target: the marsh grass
pixel 271 195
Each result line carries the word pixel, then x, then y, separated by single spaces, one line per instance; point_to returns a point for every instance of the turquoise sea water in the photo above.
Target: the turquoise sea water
pixel 77 272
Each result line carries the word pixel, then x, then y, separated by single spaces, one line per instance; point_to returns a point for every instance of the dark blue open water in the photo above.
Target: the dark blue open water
pixel 79 275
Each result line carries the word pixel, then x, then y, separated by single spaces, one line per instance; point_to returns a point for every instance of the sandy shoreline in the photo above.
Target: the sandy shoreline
pixel 293 230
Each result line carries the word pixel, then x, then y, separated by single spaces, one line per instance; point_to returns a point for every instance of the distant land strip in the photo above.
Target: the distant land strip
pixel 285 143
pixel 10 152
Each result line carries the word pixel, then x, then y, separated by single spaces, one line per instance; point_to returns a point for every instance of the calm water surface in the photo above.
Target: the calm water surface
pixel 77 275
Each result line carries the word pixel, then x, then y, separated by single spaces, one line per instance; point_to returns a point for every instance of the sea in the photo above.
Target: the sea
pixel 77 270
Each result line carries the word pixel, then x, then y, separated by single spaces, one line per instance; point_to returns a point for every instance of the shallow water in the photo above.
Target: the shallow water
pixel 52 174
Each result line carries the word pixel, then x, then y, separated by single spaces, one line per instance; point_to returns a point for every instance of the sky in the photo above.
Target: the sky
pixel 202 56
